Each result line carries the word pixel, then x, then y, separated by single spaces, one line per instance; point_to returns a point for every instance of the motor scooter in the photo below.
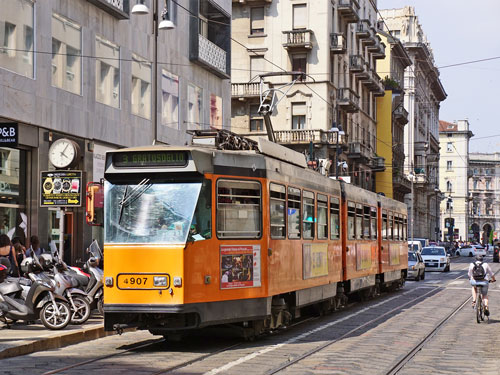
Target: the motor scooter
pixel 95 289
pixel 40 302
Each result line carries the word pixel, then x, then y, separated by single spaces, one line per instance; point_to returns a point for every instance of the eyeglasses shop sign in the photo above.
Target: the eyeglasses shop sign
pixel 9 135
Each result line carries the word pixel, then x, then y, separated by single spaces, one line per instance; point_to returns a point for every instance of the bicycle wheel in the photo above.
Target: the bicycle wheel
pixel 478 307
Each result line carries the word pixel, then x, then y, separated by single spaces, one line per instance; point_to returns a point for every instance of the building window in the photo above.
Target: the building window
pixel 141 87
pixel 256 119
pixel 66 54
pixel 298 116
pixel 449 147
pixel 257 21
pixel 449 165
pixel 215 111
pixel 195 106
pixel 474 184
pixel 169 99
pixel 16 37
pixel 299 16
pixel 299 64
pixel 488 184
pixel 107 72
pixel 449 186
pixel 257 66
pixel 396 33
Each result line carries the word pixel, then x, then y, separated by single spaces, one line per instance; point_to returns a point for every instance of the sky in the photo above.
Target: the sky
pixel 462 31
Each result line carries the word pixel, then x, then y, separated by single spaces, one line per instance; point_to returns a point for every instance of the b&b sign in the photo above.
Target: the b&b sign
pixel 9 135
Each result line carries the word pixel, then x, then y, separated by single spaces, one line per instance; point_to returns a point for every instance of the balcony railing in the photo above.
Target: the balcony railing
pixel 356 63
pixel 211 54
pixel 338 43
pixel 298 39
pixel 246 90
pixel 401 115
pixel 348 9
pixel 305 136
pixel 358 150
pixel 401 183
pixel 371 39
pixel 363 29
pixel 379 53
pixel 348 100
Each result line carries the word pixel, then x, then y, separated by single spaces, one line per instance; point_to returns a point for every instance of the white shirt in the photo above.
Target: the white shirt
pixel 487 270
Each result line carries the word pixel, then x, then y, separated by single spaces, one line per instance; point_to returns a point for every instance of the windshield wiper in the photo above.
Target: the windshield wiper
pixel 122 204
pixel 136 192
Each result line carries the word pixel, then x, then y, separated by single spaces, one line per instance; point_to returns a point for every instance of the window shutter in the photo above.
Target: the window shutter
pixel 299 16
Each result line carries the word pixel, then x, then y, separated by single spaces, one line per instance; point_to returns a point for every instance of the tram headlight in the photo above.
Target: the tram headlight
pixel 108 281
pixel 160 281
pixel 177 281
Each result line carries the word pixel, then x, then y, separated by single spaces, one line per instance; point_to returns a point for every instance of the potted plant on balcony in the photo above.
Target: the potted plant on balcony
pixel 391 84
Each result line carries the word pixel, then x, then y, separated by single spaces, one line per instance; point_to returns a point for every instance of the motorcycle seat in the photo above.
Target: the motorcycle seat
pixel 10 287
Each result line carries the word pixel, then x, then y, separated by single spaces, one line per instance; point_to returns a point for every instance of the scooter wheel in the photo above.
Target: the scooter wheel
pixel 51 320
pixel 82 312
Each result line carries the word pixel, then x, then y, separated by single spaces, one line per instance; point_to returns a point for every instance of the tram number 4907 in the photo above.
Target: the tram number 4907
pixel 135 280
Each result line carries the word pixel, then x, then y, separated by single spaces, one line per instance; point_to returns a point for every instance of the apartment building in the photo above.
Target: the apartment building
pixel 423 94
pixel 336 45
pixel 391 119
pixel 93 73
pixel 454 179
pixel 484 189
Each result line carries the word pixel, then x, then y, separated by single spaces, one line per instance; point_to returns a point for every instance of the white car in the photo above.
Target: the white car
pixel 467 251
pixel 480 250
pixel 435 258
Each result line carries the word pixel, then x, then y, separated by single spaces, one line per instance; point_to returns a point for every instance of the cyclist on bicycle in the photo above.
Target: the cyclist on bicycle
pixel 480 274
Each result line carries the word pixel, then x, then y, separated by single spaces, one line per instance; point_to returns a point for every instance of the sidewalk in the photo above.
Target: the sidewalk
pixel 23 339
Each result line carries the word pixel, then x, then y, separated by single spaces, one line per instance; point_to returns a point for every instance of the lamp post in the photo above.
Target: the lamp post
pixel 411 176
pixel 338 132
pixel 449 203
pixel 438 221
pixel 166 24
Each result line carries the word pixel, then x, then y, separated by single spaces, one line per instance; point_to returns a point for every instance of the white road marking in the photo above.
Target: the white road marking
pixel 297 338
pixel 456 282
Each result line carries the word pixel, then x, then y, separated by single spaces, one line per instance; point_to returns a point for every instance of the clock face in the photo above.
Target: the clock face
pixel 62 153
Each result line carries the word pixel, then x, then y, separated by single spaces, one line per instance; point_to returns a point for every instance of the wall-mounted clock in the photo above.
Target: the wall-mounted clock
pixel 64 153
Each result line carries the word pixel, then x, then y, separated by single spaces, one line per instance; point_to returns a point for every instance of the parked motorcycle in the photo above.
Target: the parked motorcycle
pixel 40 301
pixel 95 289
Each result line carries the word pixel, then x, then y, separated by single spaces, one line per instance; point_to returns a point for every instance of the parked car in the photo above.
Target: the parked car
pixel 466 251
pixel 415 246
pixel 496 250
pixel 435 258
pixel 416 266
pixel 480 250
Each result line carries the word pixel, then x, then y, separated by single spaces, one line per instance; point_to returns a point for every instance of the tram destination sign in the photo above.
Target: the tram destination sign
pixel 61 189
pixel 133 159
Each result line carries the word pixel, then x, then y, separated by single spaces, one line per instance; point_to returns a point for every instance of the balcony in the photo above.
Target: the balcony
pixel 379 53
pixel 376 85
pixel 338 43
pixel 246 90
pixel 371 40
pixel 356 64
pixel 211 56
pixel 306 136
pixel 348 100
pixel 298 39
pixel 401 115
pixel 378 164
pixel 401 183
pixel 420 176
pixel 348 10
pixel 363 30
pixel 373 48
pixel 358 150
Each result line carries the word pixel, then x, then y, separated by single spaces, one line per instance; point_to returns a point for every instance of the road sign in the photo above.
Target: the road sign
pixel 61 189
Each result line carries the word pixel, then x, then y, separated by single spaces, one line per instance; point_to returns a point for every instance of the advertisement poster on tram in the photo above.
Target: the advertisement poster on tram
pixel 314 260
pixel 240 266
pixel 363 256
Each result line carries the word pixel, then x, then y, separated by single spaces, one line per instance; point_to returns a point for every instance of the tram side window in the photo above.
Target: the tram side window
pixel 366 222
pixel 374 228
pixel 384 224
pixel 396 227
pixel 351 218
pixel 405 228
pixel 277 205
pixel 359 221
pixel 322 217
pixel 239 209
pixel 201 226
pixel 400 230
pixel 308 219
pixel 334 218
pixel 390 228
pixel 293 213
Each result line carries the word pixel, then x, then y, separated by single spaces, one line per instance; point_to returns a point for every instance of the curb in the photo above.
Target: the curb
pixel 59 340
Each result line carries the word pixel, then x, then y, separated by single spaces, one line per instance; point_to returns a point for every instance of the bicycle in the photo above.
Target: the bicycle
pixel 479 306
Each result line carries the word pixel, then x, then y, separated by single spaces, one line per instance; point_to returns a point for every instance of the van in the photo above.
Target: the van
pixel 415 246
pixel 423 241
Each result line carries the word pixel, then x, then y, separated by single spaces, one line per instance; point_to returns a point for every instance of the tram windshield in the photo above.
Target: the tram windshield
pixel 157 213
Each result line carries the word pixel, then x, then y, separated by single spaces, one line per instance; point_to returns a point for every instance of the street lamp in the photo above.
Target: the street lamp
pixel 449 206
pixel 438 221
pixel 166 24
pixel 338 132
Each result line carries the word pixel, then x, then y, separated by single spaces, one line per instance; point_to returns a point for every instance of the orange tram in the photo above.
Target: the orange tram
pixel 196 236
